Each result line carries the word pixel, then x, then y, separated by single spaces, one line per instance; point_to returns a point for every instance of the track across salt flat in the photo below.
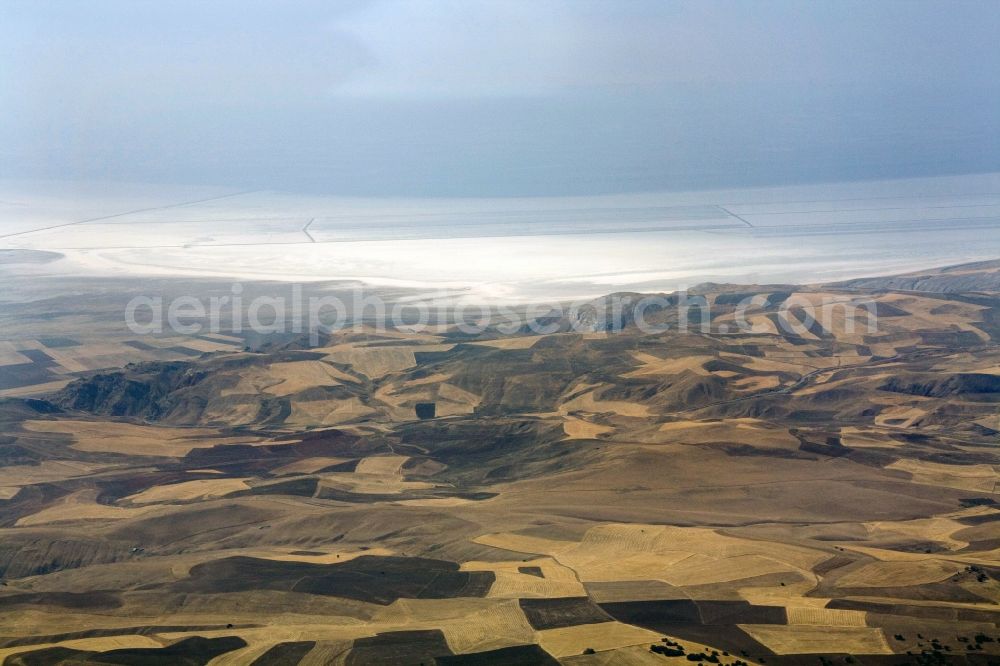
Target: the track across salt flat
pixel 523 249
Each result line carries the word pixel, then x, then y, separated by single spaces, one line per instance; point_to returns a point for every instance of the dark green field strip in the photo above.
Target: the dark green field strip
pixel 368 578
pixel 399 648
pixel 562 612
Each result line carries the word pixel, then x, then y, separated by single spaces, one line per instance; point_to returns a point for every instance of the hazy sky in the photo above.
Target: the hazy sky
pixel 467 97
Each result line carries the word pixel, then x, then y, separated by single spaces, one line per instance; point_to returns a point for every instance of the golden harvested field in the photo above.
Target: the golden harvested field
pixel 376 362
pixel 603 636
pixel 825 617
pixel 327 412
pixel 308 465
pixel 381 465
pixel 523 342
pixel 815 640
pixel 654 365
pixel 977 478
pixel 16 476
pixel 512 582
pixel 588 402
pixel 136 440
pixel 80 506
pixel 754 431
pixel 188 491
pixel 283 379
pixel 579 429
pixel 888 574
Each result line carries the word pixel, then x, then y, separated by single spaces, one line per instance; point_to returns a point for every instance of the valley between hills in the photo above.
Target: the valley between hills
pixel 822 495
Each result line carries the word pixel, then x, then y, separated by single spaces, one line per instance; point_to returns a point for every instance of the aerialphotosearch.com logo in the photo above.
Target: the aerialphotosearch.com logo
pixel 797 314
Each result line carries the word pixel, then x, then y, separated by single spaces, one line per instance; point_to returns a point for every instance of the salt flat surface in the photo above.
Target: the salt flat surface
pixel 511 249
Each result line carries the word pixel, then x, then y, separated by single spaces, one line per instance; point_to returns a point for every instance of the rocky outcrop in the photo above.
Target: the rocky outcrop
pixel 617 311
pixel 980 276
pixel 144 391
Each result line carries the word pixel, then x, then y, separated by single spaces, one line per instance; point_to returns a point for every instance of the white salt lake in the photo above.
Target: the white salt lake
pixel 514 249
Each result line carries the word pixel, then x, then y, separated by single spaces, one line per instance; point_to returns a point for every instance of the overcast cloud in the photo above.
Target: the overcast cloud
pixel 472 97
